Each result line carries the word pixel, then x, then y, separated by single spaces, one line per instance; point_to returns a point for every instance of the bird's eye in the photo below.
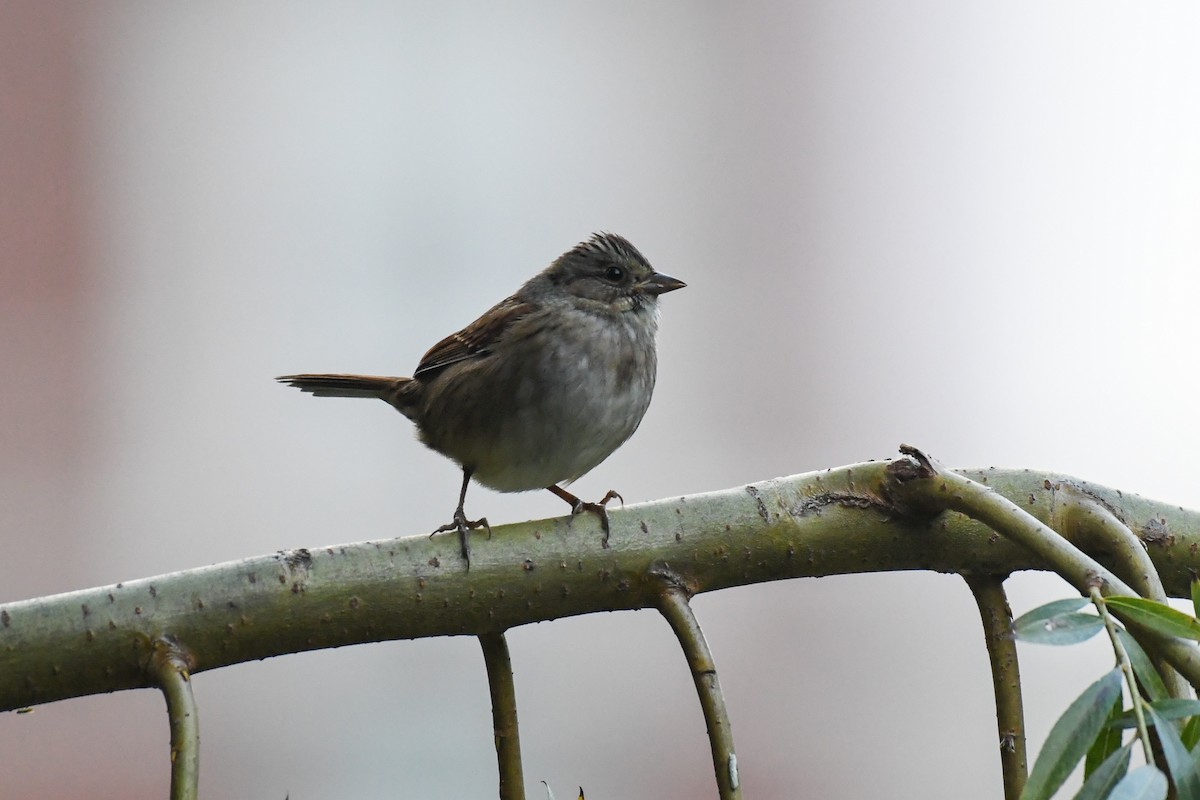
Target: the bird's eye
pixel 614 274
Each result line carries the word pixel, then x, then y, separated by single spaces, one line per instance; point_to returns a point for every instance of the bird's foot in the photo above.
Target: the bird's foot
pixel 464 527
pixel 600 509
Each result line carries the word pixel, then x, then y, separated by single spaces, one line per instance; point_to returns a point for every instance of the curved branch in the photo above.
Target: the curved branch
pixel 169 668
pixel 833 522
pixel 1086 521
pixel 673 603
pixel 1006 678
pixel 504 715
pixel 923 487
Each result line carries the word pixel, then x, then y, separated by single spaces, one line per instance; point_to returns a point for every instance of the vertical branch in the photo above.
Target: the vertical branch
pixel 504 715
pixel 673 603
pixel 1006 678
pixel 170 668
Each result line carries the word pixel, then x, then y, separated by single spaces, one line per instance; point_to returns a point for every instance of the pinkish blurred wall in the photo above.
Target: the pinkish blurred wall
pixel 45 313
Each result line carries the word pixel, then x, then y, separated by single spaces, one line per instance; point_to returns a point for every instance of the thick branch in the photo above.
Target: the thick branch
pixel 834 522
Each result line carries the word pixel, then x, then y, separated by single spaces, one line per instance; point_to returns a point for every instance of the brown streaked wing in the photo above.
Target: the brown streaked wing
pixel 476 339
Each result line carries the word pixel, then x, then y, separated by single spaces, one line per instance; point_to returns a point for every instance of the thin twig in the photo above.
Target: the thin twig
pixel 504 715
pixel 673 603
pixel 996 615
pixel 169 666
pixel 1135 697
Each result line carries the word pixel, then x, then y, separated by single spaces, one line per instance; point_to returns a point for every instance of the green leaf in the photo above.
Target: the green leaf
pixel 1106 775
pixel 1144 783
pixel 1107 743
pixel 1196 596
pixel 1179 760
pixel 1071 737
pixel 1053 609
pixel 1151 682
pixel 1057 623
pixel 1156 616
pixel 1169 709
pixel 1174 708
pixel 1191 734
pixel 1063 629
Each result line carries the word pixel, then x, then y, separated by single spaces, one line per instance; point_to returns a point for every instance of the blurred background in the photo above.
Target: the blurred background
pixel 968 227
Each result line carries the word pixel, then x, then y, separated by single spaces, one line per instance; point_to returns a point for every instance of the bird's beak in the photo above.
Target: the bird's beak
pixel 658 284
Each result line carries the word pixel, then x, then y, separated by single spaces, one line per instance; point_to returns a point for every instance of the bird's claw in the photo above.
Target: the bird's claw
pixel 464 527
pixel 600 509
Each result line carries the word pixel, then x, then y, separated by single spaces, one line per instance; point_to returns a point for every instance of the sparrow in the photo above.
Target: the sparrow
pixel 541 388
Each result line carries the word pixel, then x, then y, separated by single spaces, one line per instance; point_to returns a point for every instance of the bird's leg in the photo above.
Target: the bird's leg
pixel 460 522
pixel 599 509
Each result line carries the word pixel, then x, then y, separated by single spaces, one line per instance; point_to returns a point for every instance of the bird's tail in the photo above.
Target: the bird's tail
pixel 346 385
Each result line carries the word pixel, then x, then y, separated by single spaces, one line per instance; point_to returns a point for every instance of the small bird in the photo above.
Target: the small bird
pixel 542 387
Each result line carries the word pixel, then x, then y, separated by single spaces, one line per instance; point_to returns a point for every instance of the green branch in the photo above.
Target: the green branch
pixel 504 715
pixel 674 605
pixel 996 616
pixel 839 521
pixel 1087 522
pixel 168 666
pixel 922 486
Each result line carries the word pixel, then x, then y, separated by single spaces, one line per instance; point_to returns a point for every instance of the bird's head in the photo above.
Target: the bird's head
pixel 608 271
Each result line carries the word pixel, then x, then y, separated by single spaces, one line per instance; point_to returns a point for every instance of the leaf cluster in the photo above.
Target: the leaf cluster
pixel 1098 727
